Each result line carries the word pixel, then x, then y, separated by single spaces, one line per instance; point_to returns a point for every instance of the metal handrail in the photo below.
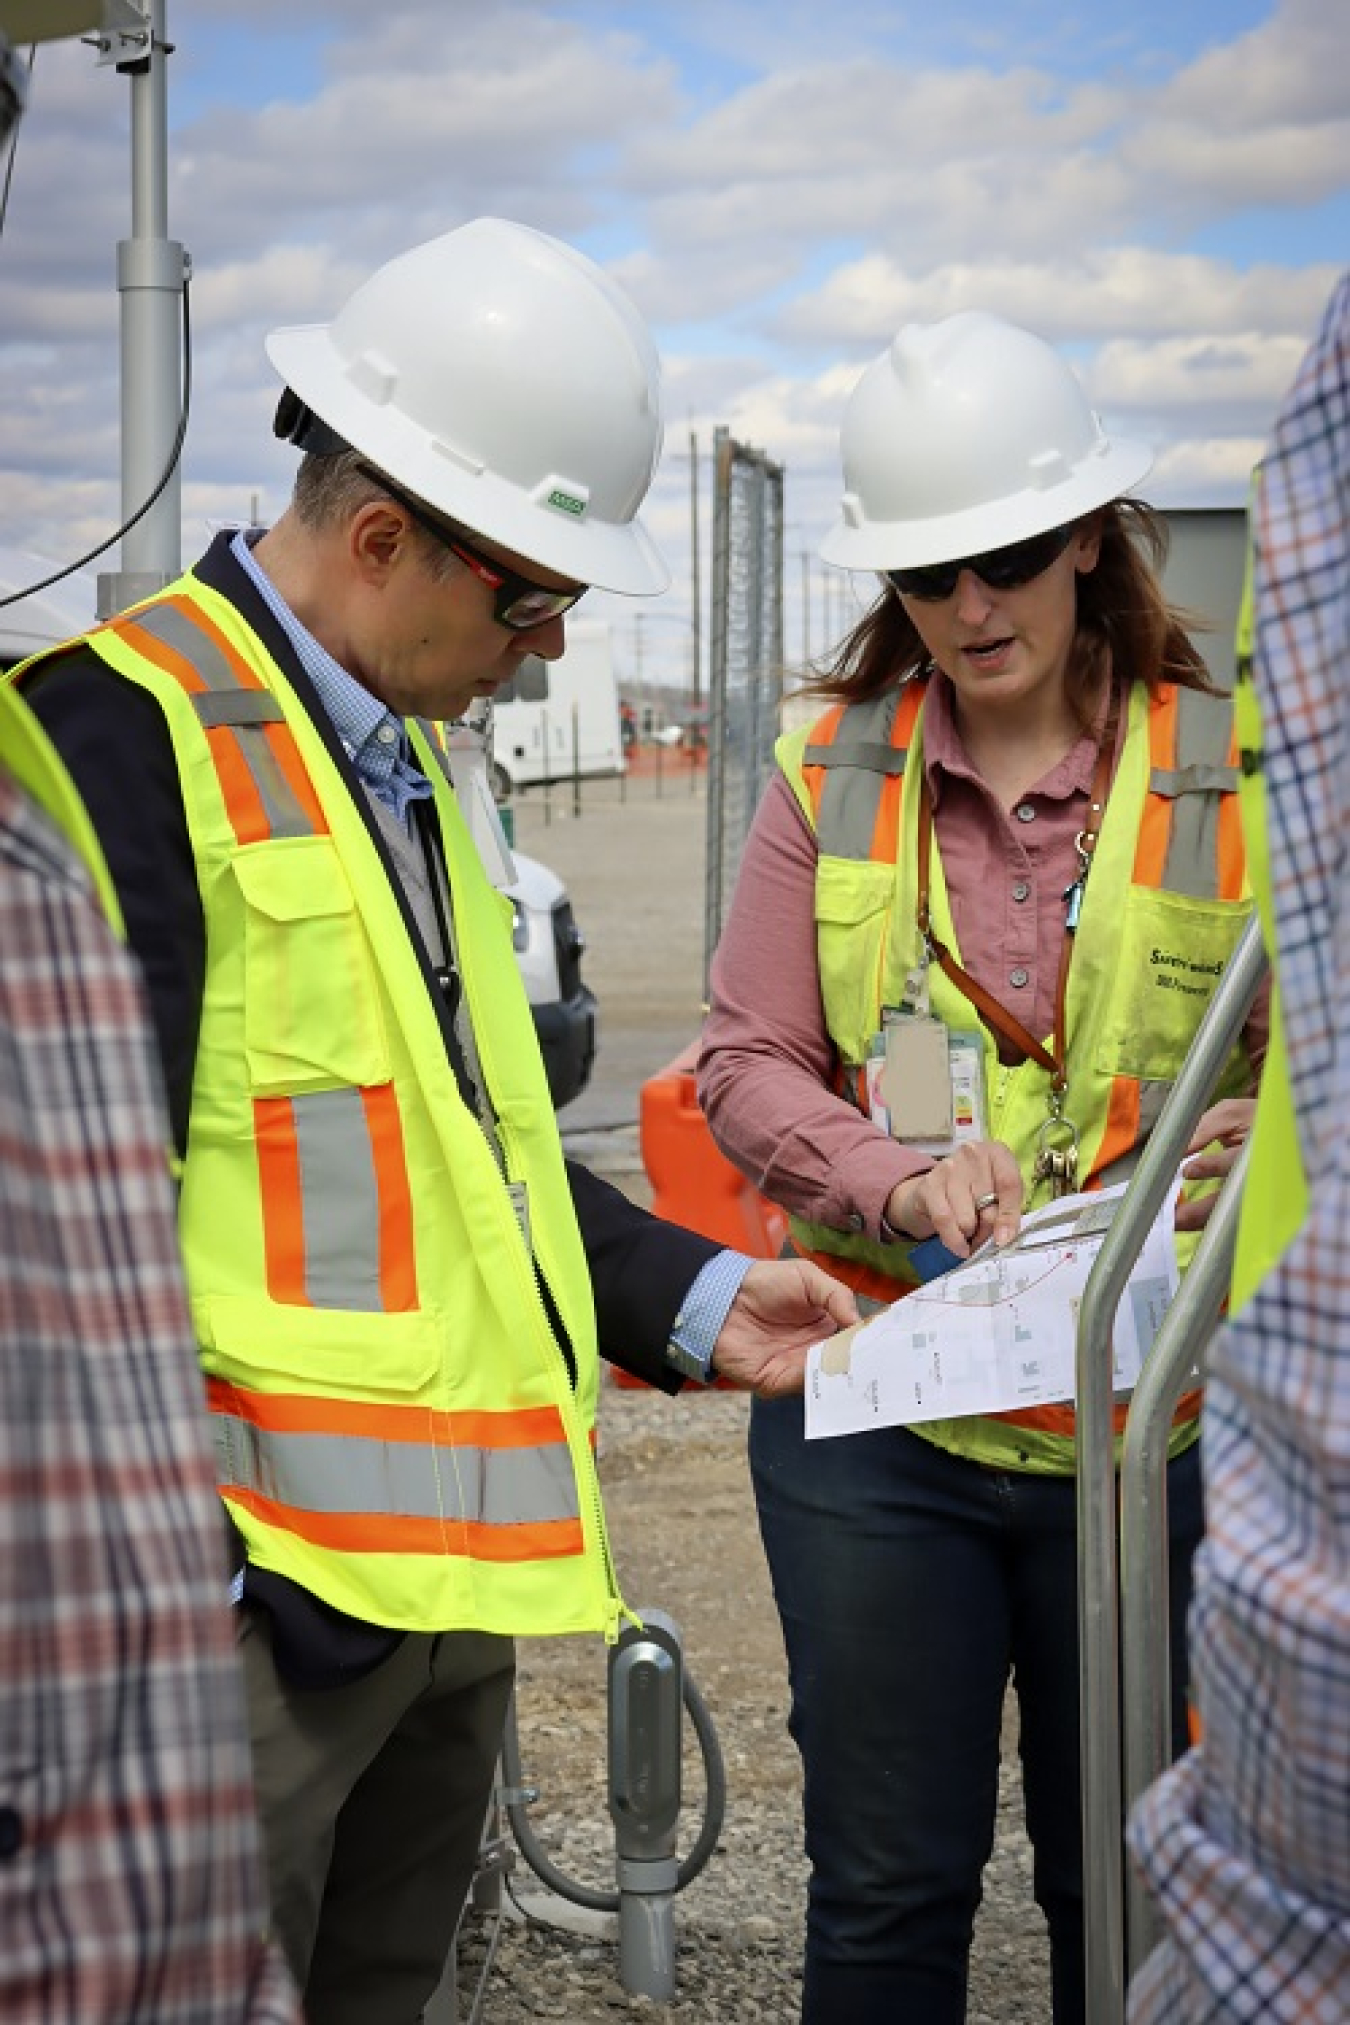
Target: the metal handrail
pixel 1146 1658
pixel 1098 1596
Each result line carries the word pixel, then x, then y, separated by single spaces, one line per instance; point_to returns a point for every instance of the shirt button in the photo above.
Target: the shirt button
pixel 856 1221
pixel 11 1832
pixel 1025 813
pixel 387 734
pixel 1021 888
pixel 1018 977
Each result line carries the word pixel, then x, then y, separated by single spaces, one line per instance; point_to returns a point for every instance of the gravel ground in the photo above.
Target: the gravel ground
pixel 738 1925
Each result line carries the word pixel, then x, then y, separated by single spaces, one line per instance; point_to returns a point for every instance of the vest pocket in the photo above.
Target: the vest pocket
pixel 1170 956
pixel 853 911
pixel 312 1015
pixel 319 1350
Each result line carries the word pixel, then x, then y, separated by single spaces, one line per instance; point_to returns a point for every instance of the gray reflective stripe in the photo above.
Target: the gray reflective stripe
pixel 238 706
pixel 1192 780
pixel 873 758
pixel 340 1200
pixel 859 762
pixel 1201 775
pixel 285 815
pixel 348 1473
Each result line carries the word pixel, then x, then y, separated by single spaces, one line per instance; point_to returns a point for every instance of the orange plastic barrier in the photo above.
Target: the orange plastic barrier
pixel 692 1182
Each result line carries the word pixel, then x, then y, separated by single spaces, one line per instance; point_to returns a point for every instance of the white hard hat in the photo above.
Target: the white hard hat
pixel 967 435
pixel 505 380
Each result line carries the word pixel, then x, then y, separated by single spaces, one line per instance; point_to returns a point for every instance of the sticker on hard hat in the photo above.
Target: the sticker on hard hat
pixel 566 502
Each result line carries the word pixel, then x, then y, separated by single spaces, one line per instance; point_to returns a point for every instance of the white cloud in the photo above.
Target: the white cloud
pixel 775 207
pixel 1118 291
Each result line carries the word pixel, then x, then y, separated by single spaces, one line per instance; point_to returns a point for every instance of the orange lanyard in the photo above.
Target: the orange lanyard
pixel 996 1015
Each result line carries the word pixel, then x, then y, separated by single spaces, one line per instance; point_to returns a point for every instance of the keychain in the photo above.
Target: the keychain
pixel 1057 1152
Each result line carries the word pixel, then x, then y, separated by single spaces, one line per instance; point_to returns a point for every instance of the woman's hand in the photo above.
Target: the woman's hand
pixel 972 1194
pixel 1220 1132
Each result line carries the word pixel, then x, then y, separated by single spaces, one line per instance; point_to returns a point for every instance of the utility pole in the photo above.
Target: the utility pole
pixel 152 272
pixel 695 594
pixel 806 610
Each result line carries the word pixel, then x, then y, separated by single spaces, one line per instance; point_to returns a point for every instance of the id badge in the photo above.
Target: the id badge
pixel 965 1054
pixel 916 1083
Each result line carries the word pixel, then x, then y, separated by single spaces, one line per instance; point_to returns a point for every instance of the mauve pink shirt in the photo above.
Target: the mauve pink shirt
pixel 766 1059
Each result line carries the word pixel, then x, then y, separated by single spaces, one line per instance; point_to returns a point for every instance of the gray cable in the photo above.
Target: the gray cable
pixel 548 1872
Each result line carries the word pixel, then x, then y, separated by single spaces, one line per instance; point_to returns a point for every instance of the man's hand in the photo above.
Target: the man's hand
pixel 782 1308
pixel 1218 1136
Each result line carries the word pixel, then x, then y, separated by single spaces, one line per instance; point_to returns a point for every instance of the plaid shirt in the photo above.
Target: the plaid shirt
pixel 130 1886
pixel 1247 1842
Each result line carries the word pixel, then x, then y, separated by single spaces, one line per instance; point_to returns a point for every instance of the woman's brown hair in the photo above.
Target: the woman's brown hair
pixel 1124 624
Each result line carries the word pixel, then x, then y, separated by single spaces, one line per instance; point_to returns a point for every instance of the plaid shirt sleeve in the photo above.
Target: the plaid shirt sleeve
pixel 1246 1843
pixel 130 1880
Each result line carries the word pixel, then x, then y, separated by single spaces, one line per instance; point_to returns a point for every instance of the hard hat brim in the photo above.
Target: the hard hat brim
pixel 607 555
pixel 1119 466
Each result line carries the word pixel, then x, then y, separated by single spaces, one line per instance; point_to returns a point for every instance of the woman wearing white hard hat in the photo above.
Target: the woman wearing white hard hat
pixel 978 919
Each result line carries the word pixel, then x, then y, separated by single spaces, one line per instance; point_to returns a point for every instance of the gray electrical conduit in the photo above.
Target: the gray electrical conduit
pixel 714 1809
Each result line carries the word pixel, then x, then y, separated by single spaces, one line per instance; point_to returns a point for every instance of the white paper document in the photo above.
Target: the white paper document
pixel 997 1333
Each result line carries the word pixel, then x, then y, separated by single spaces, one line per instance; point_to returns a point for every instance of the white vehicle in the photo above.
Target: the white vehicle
pixel 558 719
pixel 548 947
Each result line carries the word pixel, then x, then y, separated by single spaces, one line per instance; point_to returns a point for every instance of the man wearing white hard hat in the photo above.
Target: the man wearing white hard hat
pixel 399 1285
pixel 999 878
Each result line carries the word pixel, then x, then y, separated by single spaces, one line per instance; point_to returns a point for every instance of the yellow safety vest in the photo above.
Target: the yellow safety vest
pixel 39 769
pixel 1275 1192
pixel 395 1425
pixel 1165 904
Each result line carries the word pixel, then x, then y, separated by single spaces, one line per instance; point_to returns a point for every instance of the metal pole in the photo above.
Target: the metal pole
pixel 806 611
pixel 1098 1615
pixel 717 699
pixel 695 579
pixel 151 272
pixel 1146 1658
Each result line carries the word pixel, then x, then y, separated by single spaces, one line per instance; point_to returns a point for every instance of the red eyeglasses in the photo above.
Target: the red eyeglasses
pixel 520 603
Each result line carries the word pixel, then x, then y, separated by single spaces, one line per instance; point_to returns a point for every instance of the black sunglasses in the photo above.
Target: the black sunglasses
pixel 520 603
pixel 1002 569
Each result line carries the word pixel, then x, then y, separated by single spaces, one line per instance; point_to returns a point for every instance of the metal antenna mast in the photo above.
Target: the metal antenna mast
pixel 152 270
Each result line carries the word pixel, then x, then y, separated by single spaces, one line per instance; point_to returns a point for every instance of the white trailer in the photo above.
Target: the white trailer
pixel 558 719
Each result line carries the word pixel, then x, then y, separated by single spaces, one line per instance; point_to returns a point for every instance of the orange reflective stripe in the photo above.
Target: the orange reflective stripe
pixel 1060 1419
pixel 244 805
pixel 279 737
pixel 282 1204
pixel 885 847
pixel 398 1252
pixel 365 1533
pixel 814 776
pixel 1155 827
pixel 314 1413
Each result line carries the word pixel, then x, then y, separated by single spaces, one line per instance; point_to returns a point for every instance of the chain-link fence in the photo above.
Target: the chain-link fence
pixel 745 675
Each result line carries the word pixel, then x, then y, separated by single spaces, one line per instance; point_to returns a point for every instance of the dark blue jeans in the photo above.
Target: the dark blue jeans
pixel 911 1585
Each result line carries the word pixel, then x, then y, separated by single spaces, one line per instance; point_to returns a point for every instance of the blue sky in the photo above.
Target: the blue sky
pixel 1162 190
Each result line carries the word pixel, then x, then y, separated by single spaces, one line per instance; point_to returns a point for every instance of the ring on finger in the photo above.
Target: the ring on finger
pixel 986 1201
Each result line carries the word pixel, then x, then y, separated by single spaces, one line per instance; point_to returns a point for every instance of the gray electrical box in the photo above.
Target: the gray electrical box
pixel 1205 565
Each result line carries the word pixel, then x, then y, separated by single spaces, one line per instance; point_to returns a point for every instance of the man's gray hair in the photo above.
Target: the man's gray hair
pixel 330 490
